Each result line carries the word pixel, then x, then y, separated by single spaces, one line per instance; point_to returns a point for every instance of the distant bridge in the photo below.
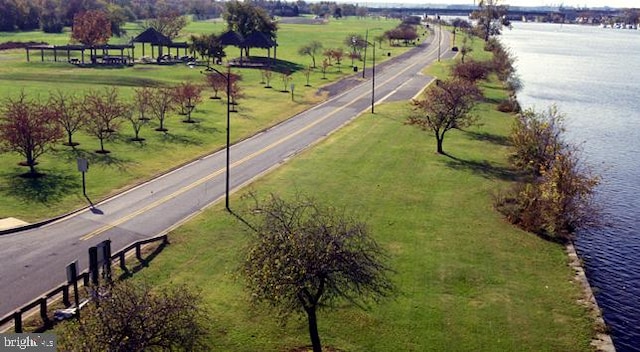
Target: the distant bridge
pixel 515 13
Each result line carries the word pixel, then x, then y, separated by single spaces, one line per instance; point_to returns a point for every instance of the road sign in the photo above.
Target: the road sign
pixel 83 165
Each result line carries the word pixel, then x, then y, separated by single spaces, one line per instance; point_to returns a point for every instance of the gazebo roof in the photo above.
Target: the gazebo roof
pixel 150 35
pixel 259 40
pixel 231 38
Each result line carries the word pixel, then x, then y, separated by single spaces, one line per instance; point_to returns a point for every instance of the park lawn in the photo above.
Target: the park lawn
pixel 467 280
pixel 129 162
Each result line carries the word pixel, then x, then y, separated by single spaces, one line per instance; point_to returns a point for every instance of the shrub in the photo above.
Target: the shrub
pixel 470 70
pixel 558 199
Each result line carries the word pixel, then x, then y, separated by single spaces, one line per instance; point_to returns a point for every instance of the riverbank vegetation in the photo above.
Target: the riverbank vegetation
pixel 555 197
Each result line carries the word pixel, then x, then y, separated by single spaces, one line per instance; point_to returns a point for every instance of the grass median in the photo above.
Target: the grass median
pixel 468 280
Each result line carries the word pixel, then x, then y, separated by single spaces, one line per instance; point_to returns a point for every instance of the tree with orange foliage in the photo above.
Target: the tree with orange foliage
pixel 28 128
pixel 91 28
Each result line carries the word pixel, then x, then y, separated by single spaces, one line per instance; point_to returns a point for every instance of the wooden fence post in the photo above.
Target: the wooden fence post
pixel 65 296
pixel 17 321
pixel 123 264
pixel 43 312
pixel 139 253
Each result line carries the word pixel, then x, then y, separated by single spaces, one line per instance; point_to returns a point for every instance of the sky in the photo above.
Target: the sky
pixel 575 3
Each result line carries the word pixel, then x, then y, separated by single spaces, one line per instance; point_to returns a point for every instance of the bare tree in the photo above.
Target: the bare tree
pixel 312 49
pixel 445 106
pixel 267 74
pixel 142 102
pixel 325 66
pixel 465 48
pixel 69 114
pixel 134 317
pixel 490 18
pixel 161 103
pixel 28 128
pixel 136 123
pixel 169 23
pixel 285 76
pixel 304 256
pixel 307 74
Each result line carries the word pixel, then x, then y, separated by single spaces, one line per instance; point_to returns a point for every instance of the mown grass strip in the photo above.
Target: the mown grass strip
pixel 468 280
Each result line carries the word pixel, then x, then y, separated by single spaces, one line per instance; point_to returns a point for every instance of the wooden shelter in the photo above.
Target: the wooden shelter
pixel 60 52
pixel 262 41
pixel 153 37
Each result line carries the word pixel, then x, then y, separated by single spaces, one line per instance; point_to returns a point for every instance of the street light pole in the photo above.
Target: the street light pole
pixel 227 77
pixel 366 43
pixel 226 194
pixel 439 36
pixel 373 78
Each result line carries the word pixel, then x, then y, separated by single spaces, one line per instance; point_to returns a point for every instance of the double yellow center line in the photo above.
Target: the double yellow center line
pixel 220 171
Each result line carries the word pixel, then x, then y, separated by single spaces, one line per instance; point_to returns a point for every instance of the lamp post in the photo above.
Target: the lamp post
pixel 373 78
pixel 227 78
pixel 366 43
pixel 439 35
pixel 373 68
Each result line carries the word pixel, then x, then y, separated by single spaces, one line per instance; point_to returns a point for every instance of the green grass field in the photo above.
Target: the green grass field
pixel 131 162
pixel 468 280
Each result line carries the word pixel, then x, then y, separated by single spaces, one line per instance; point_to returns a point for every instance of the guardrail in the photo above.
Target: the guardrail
pixel 43 302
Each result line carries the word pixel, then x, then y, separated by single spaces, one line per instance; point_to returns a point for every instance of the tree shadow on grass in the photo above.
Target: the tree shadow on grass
pixel 489 137
pixel 197 127
pixel 50 187
pixel 108 160
pixel 483 168
pixel 176 138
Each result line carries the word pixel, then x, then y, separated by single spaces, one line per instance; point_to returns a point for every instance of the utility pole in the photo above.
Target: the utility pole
pixel 439 35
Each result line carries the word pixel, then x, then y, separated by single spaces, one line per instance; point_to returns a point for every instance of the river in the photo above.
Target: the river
pixel 593 76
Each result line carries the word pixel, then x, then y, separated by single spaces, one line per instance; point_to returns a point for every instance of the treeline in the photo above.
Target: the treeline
pixel 52 16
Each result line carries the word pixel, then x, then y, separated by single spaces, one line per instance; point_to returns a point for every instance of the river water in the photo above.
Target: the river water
pixel 593 76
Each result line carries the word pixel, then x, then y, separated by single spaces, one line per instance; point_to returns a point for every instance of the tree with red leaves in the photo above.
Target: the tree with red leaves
pixel 236 90
pixel 91 28
pixel 105 111
pixel 187 95
pixel 217 82
pixel 28 128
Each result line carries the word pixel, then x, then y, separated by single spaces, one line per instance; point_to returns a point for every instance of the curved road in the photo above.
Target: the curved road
pixel 33 262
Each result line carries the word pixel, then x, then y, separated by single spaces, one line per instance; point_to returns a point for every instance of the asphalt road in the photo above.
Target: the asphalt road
pixel 33 262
